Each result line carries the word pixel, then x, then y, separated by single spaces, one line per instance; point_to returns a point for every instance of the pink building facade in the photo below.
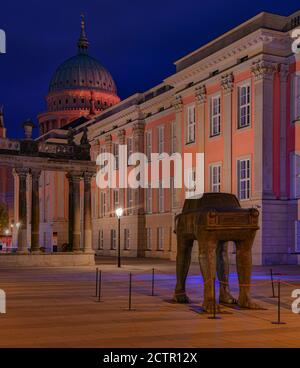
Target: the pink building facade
pixel 235 99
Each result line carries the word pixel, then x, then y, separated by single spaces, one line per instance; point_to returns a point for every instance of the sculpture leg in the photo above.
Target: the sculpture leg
pixel 207 260
pixel 183 260
pixel 244 267
pixel 223 274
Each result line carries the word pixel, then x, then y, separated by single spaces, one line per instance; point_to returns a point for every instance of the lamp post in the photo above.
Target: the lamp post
pixel 119 213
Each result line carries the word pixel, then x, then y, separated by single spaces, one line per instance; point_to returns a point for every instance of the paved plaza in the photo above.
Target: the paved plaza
pixel 56 307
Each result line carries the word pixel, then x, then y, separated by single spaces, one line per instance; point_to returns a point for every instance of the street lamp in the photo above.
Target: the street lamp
pixel 119 213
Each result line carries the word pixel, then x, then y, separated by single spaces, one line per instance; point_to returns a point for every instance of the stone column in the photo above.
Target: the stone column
pixel 227 83
pixel 263 72
pixel 87 213
pixel 283 73
pixel 22 208
pixel 74 210
pixel 35 210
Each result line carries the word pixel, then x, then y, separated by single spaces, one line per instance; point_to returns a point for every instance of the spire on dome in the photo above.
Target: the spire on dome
pixel 83 42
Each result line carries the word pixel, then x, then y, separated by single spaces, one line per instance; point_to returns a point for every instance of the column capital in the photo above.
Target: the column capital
pixel 74 176
pixel 121 135
pixel 35 173
pixel 177 103
pixel 283 71
pixel 263 69
pixel 200 93
pixel 227 83
pixel 21 172
pixel 87 176
pixel 108 138
pixel 138 128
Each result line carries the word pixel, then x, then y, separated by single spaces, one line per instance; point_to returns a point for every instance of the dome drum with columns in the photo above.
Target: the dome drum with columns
pixel 81 86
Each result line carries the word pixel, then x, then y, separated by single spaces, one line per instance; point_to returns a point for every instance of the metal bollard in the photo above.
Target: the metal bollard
pixel 214 315
pixel 152 293
pixel 278 322
pixel 272 281
pixel 97 271
pixel 130 291
pixel 99 286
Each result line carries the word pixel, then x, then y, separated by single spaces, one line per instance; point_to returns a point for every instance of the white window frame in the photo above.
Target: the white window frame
pixel 215 177
pixel 129 143
pixel 191 178
pixel 148 144
pixel 191 124
pixel 173 137
pixel 215 116
pixel 100 239
pixel 113 239
pixel 161 198
pixel 116 155
pixel 161 139
pixel 244 106
pixel 160 238
pixel 102 203
pixel 116 198
pixel 172 193
pixel 126 239
pixel 129 200
pixel 244 178
pixel 148 198
pixel 148 238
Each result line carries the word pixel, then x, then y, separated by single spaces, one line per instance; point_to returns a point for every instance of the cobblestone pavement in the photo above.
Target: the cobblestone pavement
pixel 56 307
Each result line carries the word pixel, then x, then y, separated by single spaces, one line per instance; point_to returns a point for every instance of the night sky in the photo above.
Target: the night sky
pixel 136 40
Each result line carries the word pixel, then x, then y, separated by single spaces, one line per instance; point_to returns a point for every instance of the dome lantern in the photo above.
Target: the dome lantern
pixel 83 42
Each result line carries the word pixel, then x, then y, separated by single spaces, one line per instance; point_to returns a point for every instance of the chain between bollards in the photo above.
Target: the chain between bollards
pixel 278 322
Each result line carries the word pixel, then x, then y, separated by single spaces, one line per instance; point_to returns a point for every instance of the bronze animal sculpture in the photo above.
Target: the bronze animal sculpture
pixel 213 220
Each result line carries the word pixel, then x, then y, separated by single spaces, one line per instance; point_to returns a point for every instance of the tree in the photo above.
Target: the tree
pixel 3 217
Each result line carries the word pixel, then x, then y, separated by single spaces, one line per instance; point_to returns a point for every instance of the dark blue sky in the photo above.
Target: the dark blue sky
pixel 137 40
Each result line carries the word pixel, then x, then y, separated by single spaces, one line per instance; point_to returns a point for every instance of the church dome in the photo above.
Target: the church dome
pixel 82 72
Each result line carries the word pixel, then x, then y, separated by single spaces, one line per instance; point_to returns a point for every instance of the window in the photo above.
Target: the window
pixel 116 198
pixel 129 147
pixel 148 142
pixel 116 154
pixel 191 124
pixel 215 116
pixel 149 200
pixel 129 201
pixel 161 198
pixel 160 238
pixel 126 239
pixel 161 139
pixel 191 182
pixel 244 106
pixel 215 178
pixel 149 238
pixel 102 204
pixel 173 193
pixel 173 137
pixel 113 239
pixel 101 239
pixel 244 179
